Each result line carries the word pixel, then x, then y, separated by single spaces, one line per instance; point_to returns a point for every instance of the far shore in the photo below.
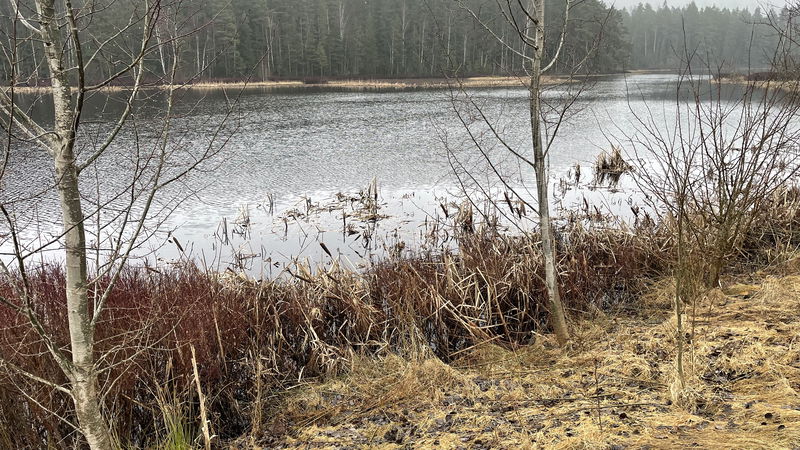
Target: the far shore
pixel 783 85
pixel 338 84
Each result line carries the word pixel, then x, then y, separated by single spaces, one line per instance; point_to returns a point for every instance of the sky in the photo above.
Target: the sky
pixel 721 3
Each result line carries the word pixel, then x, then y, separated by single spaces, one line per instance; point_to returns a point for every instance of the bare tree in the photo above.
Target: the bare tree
pixel 536 22
pixel 717 162
pixel 522 34
pixel 710 170
pixel 81 150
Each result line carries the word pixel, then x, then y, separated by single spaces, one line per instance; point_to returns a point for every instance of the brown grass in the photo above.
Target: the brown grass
pixel 333 84
pixel 760 82
pixel 615 387
pixel 314 325
pixel 390 332
pixel 609 167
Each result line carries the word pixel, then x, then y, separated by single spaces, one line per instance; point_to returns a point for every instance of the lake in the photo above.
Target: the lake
pixel 290 172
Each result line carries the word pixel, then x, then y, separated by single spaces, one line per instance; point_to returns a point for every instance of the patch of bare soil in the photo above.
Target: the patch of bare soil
pixel 614 388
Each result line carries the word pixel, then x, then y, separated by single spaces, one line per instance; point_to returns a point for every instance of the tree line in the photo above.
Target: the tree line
pixel 726 38
pixel 278 39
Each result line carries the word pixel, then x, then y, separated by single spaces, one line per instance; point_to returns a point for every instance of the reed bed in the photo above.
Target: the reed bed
pixel 356 85
pixel 609 167
pixel 254 339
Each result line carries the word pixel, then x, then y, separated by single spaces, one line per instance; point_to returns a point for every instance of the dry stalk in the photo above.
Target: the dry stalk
pixel 201 398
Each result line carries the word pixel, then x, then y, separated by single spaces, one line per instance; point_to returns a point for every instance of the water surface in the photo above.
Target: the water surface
pixel 269 193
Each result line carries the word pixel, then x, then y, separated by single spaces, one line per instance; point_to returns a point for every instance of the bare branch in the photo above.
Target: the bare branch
pixel 15 6
pixel 8 365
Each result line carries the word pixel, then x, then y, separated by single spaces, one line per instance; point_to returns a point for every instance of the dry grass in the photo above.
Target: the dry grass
pixel 255 338
pixel 756 83
pixel 615 387
pixel 383 84
pixel 393 327
pixel 609 167
pixel 334 84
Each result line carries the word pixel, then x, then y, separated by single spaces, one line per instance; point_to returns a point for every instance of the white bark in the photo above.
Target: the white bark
pixel 81 372
pixel 557 314
pixel 60 37
pixel 342 19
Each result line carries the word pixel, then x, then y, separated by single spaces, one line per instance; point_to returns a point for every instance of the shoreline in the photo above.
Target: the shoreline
pixel 354 84
pixel 369 84
pixel 783 85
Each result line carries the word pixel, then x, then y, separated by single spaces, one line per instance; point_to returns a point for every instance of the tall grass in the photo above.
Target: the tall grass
pixel 254 338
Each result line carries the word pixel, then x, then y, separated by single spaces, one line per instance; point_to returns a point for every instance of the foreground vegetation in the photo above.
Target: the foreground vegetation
pixel 614 388
pixel 186 346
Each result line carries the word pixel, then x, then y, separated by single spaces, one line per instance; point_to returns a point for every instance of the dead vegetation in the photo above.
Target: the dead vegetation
pixel 420 341
pixel 454 342
pixel 609 167
pixel 253 339
pixel 356 85
pixel 615 387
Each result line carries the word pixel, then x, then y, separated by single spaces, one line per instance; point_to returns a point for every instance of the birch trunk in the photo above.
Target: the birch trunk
pixel 82 376
pixel 558 318
pixel 81 372
pixel 161 52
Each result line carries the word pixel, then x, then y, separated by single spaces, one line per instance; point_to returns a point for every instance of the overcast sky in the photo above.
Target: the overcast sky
pixel 721 3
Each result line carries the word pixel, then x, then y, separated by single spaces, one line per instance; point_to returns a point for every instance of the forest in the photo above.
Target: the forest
pixel 732 39
pixel 295 39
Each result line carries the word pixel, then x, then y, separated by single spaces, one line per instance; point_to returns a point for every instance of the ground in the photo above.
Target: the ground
pixel 615 387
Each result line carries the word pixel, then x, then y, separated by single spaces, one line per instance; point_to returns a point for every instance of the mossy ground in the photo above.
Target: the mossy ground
pixel 614 387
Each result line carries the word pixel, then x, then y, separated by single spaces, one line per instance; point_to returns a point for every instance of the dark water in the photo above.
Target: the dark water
pixel 294 151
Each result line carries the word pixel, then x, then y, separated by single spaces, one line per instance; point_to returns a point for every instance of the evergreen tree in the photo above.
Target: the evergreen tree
pixel 268 39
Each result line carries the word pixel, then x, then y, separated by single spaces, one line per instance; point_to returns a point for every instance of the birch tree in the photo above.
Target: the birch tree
pixel 535 21
pixel 76 151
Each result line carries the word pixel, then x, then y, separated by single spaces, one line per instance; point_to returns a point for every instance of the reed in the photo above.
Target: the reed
pixel 609 168
pixel 254 338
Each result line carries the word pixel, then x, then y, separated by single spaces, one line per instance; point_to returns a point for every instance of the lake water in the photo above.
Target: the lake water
pixel 269 197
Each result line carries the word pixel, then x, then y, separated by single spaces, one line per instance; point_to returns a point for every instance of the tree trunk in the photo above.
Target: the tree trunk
pixel 83 376
pixel 81 372
pixel 558 318
pixel 85 394
pixel 161 53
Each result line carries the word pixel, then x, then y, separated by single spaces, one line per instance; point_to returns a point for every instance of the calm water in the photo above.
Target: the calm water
pixel 290 153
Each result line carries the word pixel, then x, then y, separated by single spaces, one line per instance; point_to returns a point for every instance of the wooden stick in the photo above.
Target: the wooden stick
pixel 203 413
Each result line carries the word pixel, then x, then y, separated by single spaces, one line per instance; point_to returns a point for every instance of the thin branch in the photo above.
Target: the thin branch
pixel 6 364
pixel 21 18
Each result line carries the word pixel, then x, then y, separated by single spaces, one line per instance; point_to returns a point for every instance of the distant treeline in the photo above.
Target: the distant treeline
pixel 724 38
pixel 314 39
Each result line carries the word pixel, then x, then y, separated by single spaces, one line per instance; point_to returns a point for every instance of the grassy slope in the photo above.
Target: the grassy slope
pixel 615 388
